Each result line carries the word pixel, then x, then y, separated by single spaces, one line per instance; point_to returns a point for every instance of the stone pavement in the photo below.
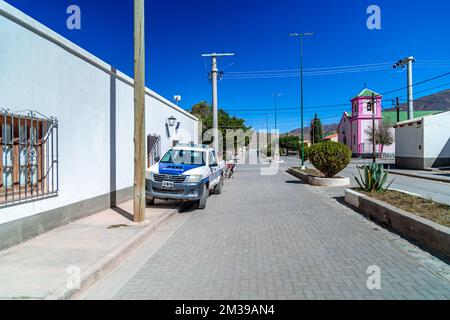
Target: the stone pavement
pixel 41 267
pixel 272 237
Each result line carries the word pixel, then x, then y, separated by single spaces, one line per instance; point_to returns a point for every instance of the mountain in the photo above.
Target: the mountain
pixel 435 102
pixel 326 129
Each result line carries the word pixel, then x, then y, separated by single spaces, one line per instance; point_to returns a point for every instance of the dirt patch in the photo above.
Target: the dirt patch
pixel 436 212
pixel 311 172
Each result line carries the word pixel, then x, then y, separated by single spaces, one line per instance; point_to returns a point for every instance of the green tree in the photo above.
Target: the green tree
pixel 204 111
pixel 290 142
pixel 316 130
pixel 383 135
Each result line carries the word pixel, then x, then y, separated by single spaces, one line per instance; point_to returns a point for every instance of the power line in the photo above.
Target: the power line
pixel 286 73
pixel 418 83
pixel 310 69
pixel 309 74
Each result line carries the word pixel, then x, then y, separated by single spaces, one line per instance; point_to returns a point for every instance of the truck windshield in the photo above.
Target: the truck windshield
pixel 184 157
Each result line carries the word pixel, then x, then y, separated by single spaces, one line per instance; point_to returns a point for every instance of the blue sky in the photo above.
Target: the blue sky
pixel 178 31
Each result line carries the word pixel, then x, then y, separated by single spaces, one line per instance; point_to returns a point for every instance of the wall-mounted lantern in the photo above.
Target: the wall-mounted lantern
pixel 172 121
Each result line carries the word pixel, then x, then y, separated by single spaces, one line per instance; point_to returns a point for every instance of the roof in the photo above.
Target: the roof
pixel 367 93
pixel 418 119
pixel 331 136
pixel 390 117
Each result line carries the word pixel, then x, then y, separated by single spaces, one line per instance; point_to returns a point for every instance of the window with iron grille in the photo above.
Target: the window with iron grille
pixel 28 157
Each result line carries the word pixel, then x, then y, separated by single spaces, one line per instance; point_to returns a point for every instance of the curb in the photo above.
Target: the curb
pixel 111 260
pixel 430 234
pixel 420 177
pixel 320 182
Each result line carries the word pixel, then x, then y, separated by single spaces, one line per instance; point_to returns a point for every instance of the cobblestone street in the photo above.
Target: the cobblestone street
pixel 271 237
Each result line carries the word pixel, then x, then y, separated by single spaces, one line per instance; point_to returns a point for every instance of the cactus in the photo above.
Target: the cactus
pixel 375 177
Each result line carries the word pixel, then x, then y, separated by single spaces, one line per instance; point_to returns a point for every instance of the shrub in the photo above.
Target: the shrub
pixel 375 177
pixel 329 157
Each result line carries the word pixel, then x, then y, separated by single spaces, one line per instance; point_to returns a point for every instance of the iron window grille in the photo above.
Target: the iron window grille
pixel 28 157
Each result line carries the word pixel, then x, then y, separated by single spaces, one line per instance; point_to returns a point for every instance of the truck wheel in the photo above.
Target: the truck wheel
pixel 201 204
pixel 150 201
pixel 218 188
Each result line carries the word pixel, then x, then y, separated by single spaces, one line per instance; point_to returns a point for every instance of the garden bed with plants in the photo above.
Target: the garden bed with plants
pixel 422 220
pixel 329 158
pixel 428 209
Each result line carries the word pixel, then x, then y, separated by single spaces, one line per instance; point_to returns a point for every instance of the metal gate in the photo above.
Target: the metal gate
pixel 29 157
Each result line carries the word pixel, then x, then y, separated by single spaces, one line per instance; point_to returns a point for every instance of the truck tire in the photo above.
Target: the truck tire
pixel 150 201
pixel 218 188
pixel 201 204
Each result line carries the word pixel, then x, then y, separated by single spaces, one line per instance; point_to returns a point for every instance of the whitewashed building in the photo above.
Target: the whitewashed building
pixel 66 123
pixel 423 142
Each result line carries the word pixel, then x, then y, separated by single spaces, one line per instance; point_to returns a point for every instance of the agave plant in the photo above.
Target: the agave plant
pixel 375 177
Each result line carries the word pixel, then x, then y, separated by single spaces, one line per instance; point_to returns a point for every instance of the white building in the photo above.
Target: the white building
pixel 73 155
pixel 423 142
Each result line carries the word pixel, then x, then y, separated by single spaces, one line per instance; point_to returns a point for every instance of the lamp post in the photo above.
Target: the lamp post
pixel 301 35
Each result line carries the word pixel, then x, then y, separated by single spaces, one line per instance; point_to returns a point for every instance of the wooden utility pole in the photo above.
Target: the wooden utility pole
pixel 139 112
pixel 398 109
pixel 373 129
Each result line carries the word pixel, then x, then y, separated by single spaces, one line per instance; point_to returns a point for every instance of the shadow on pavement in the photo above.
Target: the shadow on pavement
pixel 295 182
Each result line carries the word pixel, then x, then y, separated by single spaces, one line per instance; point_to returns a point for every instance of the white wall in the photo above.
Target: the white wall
pixel 41 70
pixel 408 140
pixel 437 136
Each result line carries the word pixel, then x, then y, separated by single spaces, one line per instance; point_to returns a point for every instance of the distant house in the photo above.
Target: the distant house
pixel 353 126
pixel 332 137
pixel 423 142
pixel 352 130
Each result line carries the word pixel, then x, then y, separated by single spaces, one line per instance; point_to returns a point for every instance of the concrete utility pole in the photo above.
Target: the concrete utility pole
pixel 139 112
pixel 214 77
pixel 301 35
pixel 374 145
pixel 408 63
pixel 276 95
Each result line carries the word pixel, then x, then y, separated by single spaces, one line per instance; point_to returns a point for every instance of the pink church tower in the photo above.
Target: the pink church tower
pixel 353 127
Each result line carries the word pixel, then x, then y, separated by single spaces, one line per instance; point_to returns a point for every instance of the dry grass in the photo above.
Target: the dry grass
pixel 437 212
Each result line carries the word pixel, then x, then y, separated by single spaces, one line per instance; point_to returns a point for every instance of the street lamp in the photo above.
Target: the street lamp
pixel 301 35
pixel 172 120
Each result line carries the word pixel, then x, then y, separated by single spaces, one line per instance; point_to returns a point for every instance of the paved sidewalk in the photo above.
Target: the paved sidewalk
pixel 272 237
pixel 41 267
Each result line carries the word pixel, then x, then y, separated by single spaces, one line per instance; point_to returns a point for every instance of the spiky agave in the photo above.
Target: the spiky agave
pixel 375 177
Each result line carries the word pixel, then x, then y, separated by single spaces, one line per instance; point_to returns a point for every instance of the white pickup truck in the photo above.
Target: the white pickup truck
pixel 187 173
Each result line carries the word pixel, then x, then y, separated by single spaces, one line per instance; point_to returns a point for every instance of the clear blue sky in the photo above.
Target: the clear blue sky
pixel 178 31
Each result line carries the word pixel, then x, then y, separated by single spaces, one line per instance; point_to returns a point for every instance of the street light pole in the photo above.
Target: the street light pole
pixel 301 35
